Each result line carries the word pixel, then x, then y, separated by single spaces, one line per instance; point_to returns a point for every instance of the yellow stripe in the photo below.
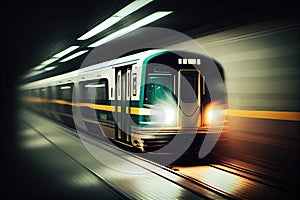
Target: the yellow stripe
pixel 96 106
pixel 292 116
pixel 34 99
pixel 139 111
pixel 61 102
pixel 133 110
pixel 278 115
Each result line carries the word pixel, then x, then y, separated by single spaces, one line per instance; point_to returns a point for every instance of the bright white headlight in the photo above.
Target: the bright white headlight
pixel 163 115
pixel 170 116
pixel 211 114
pixel 164 112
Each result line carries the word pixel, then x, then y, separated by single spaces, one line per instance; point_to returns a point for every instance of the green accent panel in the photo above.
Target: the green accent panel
pixel 144 65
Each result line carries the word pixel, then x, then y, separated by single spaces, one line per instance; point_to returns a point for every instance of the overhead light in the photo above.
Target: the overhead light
pixel 49 61
pixel 31 74
pixel 45 63
pixel 73 56
pixel 50 68
pixel 39 67
pixel 55 57
pixel 65 52
pixel 115 18
pixel 147 20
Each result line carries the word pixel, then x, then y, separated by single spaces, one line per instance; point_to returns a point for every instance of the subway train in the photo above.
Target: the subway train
pixel 142 100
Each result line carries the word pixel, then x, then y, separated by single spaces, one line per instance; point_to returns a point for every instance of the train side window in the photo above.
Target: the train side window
pixel 65 91
pixel 94 90
pixel 119 85
pixel 53 92
pixel 35 93
pixel 134 84
pixel 128 83
pixel 25 93
pixel 32 93
pixel 43 93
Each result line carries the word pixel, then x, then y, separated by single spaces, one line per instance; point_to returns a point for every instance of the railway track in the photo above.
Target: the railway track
pixel 205 180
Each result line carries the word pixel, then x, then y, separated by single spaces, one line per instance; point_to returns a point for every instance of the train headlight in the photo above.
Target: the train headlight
pixel 163 115
pixel 170 116
pixel 211 115
pixel 164 112
pixel 214 114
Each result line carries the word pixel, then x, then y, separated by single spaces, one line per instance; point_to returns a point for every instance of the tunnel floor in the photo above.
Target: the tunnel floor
pixel 56 165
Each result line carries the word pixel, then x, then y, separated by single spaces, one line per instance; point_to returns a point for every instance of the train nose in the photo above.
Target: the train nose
pixel 189 116
pixel 189 98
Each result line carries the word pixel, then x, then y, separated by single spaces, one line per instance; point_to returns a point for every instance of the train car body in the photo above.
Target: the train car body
pixel 142 100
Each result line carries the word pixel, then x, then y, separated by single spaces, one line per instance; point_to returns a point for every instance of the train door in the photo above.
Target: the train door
pixel 189 98
pixel 122 109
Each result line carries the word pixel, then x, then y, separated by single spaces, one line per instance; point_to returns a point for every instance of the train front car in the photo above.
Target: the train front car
pixel 174 94
pixel 150 100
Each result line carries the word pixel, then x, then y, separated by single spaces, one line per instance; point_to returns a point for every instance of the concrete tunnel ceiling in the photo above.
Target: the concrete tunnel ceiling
pixel 38 30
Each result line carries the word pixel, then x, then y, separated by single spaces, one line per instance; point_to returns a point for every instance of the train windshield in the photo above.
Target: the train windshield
pixel 159 87
pixel 189 86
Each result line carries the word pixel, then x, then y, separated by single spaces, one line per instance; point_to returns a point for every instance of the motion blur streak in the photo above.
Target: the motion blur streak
pixel 216 178
pixel 262 80
pixel 292 116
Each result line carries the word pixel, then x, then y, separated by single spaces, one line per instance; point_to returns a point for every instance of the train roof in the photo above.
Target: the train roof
pixel 126 60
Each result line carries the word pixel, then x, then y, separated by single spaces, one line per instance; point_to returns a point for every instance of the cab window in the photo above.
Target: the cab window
pixel 158 87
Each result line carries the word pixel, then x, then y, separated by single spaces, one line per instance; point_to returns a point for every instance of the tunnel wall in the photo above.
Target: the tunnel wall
pixel 262 74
